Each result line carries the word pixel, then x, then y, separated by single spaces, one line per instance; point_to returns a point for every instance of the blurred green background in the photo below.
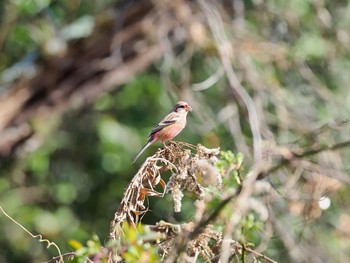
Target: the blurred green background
pixel 292 57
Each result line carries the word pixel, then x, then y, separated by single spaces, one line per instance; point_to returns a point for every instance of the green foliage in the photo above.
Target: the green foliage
pixel 137 250
pixel 133 246
pixel 93 247
pixel 230 166
pixel 30 7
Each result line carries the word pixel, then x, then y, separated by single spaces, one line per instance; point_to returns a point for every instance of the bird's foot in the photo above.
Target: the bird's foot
pixel 165 147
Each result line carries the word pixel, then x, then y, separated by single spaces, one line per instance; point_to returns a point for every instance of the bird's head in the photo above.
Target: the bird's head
pixel 182 106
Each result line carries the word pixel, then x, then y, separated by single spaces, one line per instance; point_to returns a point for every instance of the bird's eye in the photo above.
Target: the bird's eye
pixel 181 106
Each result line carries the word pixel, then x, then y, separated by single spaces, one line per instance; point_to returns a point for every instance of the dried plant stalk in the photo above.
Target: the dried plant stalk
pixel 184 161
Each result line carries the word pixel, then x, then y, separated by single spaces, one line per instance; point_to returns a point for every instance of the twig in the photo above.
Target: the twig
pixel 295 156
pixel 69 255
pixel 217 28
pixel 206 84
pixel 40 237
pixel 259 255
pixel 239 246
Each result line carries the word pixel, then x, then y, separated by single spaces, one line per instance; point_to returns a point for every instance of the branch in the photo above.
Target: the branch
pixel 285 161
pixel 68 255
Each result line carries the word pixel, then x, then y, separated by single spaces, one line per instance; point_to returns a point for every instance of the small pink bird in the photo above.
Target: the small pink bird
pixel 169 127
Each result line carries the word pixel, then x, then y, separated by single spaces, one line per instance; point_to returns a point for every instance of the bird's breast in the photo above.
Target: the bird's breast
pixel 169 132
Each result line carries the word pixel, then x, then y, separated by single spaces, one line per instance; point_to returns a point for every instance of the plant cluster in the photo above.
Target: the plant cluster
pixel 209 177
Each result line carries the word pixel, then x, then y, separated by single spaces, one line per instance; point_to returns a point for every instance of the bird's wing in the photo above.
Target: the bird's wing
pixel 168 120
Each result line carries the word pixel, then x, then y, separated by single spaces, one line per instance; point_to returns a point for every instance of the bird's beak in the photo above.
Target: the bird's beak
pixel 189 108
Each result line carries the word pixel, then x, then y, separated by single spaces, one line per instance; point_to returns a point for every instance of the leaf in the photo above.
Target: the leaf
pixel 75 244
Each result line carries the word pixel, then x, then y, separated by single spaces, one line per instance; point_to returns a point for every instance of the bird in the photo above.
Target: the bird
pixel 169 127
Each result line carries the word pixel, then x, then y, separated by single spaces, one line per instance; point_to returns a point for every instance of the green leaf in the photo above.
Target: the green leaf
pixel 75 244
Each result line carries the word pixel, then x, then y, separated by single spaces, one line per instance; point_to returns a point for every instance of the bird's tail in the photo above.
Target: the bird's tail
pixel 142 150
